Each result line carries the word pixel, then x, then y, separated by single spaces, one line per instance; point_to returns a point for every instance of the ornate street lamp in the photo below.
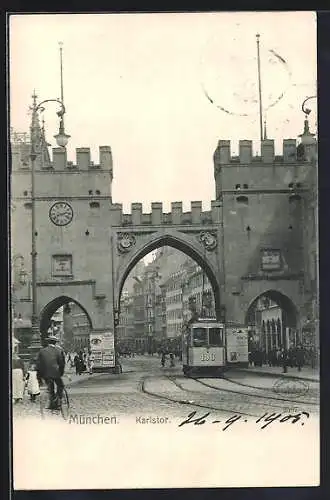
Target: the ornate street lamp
pixel 305 110
pixel 62 140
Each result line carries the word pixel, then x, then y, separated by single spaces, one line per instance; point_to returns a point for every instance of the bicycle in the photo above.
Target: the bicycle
pixel 64 403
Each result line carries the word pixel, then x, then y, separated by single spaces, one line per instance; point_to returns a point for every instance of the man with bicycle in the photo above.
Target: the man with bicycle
pixel 50 368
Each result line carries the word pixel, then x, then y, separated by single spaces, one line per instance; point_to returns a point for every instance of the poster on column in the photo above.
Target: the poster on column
pixel 168 161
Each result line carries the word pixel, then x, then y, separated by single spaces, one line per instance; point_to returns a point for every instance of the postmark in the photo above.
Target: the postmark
pixel 291 387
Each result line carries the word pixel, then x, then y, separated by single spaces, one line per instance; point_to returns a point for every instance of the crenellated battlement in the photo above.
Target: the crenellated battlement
pixel 83 159
pixel 223 156
pixel 157 217
pixel 20 154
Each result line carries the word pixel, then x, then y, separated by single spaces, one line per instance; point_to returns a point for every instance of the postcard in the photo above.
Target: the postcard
pixel 164 250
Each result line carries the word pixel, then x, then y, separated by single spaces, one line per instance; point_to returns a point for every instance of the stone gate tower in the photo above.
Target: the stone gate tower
pixel 269 241
pixel 72 231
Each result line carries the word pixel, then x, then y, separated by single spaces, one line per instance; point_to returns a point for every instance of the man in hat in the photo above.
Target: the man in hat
pixel 50 367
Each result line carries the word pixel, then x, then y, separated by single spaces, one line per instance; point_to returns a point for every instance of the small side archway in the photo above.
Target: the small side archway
pixel 282 300
pixel 52 306
pixel 273 319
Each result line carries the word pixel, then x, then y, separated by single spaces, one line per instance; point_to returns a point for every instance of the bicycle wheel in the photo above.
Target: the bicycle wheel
pixel 65 404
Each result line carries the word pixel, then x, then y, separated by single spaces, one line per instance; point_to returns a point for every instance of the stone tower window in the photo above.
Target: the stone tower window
pixel 238 186
pixel 94 204
pixel 245 186
pixel 90 192
pixel 244 200
pixel 98 191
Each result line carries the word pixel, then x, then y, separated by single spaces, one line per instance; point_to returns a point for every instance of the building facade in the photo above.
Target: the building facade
pixel 258 239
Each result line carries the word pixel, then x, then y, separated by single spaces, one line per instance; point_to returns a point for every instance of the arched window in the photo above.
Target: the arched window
pixel 279 332
pixel 269 336
pixel 274 336
pixel 263 334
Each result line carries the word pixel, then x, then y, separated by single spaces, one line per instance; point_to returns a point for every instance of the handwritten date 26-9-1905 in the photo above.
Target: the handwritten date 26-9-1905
pixel 264 421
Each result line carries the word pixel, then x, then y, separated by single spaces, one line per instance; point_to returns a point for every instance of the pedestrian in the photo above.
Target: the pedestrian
pixel 77 364
pixel 50 368
pixel 90 366
pixel 172 360
pixel 163 359
pixel 284 360
pixel 300 357
pixel 278 357
pixel 32 382
pixel 18 382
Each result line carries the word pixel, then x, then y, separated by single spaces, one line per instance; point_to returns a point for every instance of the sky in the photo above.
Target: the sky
pixel 162 89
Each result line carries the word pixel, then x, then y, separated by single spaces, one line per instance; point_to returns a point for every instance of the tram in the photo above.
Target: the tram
pixel 210 347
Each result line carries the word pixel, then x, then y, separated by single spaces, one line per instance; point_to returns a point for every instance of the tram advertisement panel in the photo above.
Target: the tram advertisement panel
pixel 102 349
pixel 237 345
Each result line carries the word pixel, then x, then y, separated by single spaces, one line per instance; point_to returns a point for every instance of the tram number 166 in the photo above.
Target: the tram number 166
pixel 206 356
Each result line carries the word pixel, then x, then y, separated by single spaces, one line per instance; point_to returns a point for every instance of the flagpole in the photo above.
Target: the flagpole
pixel 259 85
pixel 61 67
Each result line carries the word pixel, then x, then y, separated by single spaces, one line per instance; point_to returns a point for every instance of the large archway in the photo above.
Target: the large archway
pixel 184 247
pixel 272 319
pixel 54 305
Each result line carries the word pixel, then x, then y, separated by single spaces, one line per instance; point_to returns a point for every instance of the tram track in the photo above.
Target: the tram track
pixel 251 397
pixel 259 396
pixel 144 390
pixel 172 379
pixel 312 403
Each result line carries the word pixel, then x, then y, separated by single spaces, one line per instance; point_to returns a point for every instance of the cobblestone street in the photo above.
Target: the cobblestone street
pixel 144 388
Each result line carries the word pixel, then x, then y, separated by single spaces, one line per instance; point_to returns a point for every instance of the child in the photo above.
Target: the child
pixel 90 365
pixel 32 382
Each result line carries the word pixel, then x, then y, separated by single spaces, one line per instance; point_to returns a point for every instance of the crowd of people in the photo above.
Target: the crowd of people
pixel 81 361
pixel 164 358
pixel 294 357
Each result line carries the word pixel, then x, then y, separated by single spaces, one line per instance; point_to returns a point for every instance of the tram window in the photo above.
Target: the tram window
pixel 199 337
pixel 215 337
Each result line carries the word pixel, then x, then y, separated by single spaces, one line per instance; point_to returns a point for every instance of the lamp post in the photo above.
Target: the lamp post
pixel 305 110
pixel 62 140
pixel 310 146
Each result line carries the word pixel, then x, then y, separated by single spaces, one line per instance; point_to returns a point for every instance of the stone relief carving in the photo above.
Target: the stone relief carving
pixel 208 239
pixel 125 242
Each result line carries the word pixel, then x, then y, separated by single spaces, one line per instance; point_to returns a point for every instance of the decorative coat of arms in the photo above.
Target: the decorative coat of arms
pixel 125 242
pixel 208 239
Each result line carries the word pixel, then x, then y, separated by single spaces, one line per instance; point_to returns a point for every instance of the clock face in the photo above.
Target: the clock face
pixel 61 213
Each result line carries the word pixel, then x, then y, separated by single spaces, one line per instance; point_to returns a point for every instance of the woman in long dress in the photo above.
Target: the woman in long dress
pixel 18 381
